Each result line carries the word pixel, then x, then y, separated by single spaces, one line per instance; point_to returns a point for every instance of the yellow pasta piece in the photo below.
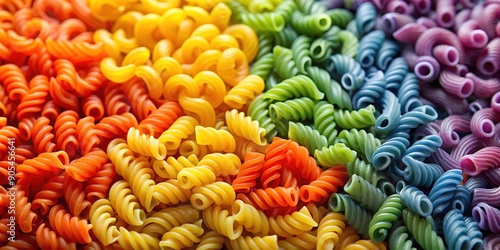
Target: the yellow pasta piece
pixel 317 212
pixel 211 86
pixel 220 14
pixel 134 240
pixel 192 48
pixel 167 67
pixel 195 177
pixel 292 224
pixel 199 15
pixel 207 31
pixel 180 83
pixel 110 46
pixel 366 245
pixel 159 7
pixel 211 241
pixel 146 31
pixel 137 56
pixel 232 66
pixel 152 79
pixel 190 147
pixel 251 243
pixel 125 42
pixel 170 167
pixel 218 193
pixel 244 92
pixel 115 73
pixel 126 203
pixel 329 230
pixel 219 220
pixel 221 164
pixel 182 236
pixel 254 221
pixel 304 241
pixel 244 126
pixel 207 61
pixel 218 140
pixel 163 48
pixel 145 144
pixel 102 217
pixel 223 42
pixel 247 39
pixel 170 192
pixel 349 236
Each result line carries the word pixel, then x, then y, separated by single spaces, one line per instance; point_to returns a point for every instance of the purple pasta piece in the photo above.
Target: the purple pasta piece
pixel 497 29
pixel 495 139
pixel 491 241
pixel 478 181
pixel 467 145
pixel 461 17
pixel 478 105
pixel 391 22
pixel 477 11
pixel 452 104
pixel 486 195
pixel 495 102
pixel 431 128
pixel 484 88
pixel 488 18
pixel 409 33
pixel 409 56
pixel 487 217
pixel 468 3
pixel 471 35
pixel 435 36
pixel 446 55
pixel 427 68
pixel 445 13
pixel 456 85
pixel 488 62
pixel 486 2
pixel 474 164
pixel 427 22
pixel 398 6
pixel 443 159
pixel 493 176
pixel 422 6
pixel 332 4
pixel 450 127
pixel 483 122
pixel 460 69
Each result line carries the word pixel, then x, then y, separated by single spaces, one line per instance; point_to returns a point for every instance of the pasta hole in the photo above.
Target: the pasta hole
pixel 384 123
pixel 496 99
pixel 487 127
pixel 197 202
pixel 479 37
pixel 455 137
pixel 388 23
pixel 489 67
pixel 323 22
pixel 446 18
pixel 467 88
pixel 318 50
pixel 422 5
pixel 426 206
pixel 400 9
pixel 381 162
pixel 399 186
pixel 367 61
pixel 424 70
pixel 184 180
pixel 468 166
pixel 452 56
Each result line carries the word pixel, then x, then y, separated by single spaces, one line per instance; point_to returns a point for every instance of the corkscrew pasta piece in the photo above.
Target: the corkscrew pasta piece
pixel 145 144
pixel 182 236
pixel 180 129
pixel 218 193
pixel 244 126
pixel 70 228
pixel 126 204
pixel 219 220
pixel 170 167
pixel 164 220
pixel 218 140
pixel 329 230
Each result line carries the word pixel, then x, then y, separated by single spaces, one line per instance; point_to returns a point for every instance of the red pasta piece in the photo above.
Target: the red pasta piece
pixel 43 164
pixel 75 51
pixel 23 241
pixel 6 133
pixel 70 228
pixel 161 119
pixel 328 181
pixel 115 100
pixel 49 195
pixel 138 97
pixel 33 102
pixel 3 230
pixel 98 186
pixel 50 110
pixel 41 63
pixel 24 45
pixel 288 179
pixel 14 81
pixel 277 211
pixel 42 135
pixel 25 127
pixel 75 198
pixel 25 218
pixel 87 134
pixel 268 198
pixel 93 106
pixel 298 160
pixel 65 132
pixel 61 96
pixel 249 172
pixel 271 170
pixel 48 239
pixel 116 126
pixel 91 81
pixel 85 167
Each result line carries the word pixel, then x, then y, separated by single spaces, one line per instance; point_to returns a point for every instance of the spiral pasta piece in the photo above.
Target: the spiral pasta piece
pixel 297 86
pixel 219 220
pixel 385 217
pixel 70 228
pixel 249 171
pixel 326 183
pixel 218 140
pixel 218 193
pixel 246 90
pixel 329 230
pixel 254 220
pixel 422 230
pixel 180 129
pixel 103 220
pixel 195 177
pixel 221 164
pixel 356 215
pixel 146 144
pixel 126 204
pixel 265 199
pixel 242 125
pixel 292 224
pixel 337 154
pixel 170 192
pixel 182 236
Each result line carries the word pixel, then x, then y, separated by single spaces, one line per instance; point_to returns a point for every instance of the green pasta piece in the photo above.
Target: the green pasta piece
pixel 340 17
pixel 399 238
pixel 353 28
pixel 300 50
pixel 334 92
pixel 296 110
pixel 266 44
pixel 284 63
pixel 385 217
pixel 361 118
pixel 356 215
pixel 364 143
pixel 332 36
pixel 306 136
pixel 423 230
pixel 310 7
pixel 258 110
pixel 267 21
pixel 350 43
pixel 286 37
pixel 312 25
pixel 272 80
pixel 337 154
pixel 263 66
pixel 320 50
pixel 365 193
pixel 369 173
pixel 285 9
pixel 323 121
pixel 295 87
pixel 237 9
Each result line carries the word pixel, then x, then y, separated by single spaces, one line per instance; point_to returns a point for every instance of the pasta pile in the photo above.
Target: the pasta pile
pixel 238 124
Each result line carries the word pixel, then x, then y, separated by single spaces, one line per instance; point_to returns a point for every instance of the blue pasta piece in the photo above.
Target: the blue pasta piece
pixel 462 199
pixel 414 199
pixel 477 181
pixel 391 114
pixel 370 92
pixel 474 233
pixel 347 70
pixel 443 191
pixel 455 231
pixel 370 72
pixel 423 148
pixel 419 116
pixel 369 46
pixel 390 49
pixel 408 94
pixel 366 14
pixel 356 215
pixel 390 150
pixel 420 174
pixel 395 73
